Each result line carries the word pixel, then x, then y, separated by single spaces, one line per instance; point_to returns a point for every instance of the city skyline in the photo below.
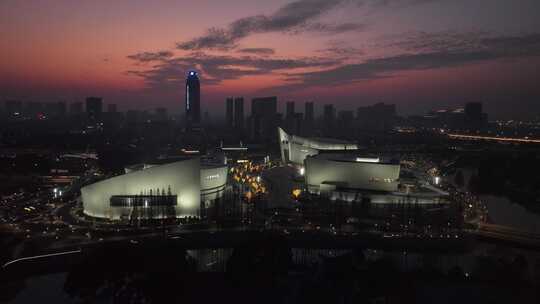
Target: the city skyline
pixel 419 55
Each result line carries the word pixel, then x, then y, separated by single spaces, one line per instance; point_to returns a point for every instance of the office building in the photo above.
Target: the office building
pixel 193 99
pixel 94 108
pixel 161 114
pixel 377 117
pixel 289 109
pixel 75 108
pixel 239 113
pixel 264 119
pixel 229 112
pixel 309 112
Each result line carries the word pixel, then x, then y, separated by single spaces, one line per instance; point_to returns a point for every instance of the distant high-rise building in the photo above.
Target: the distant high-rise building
pixel 329 112
pixel 474 117
pixel 133 116
pixel 193 99
pixel 308 124
pixel 94 108
pixel 161 114
pixel 111 108
pixel 229 112
pixel 264 119
pixel 239 113
pixel 264 106
pixel 54 109
pixel 329 117
pixel 61 108
pixel 377 117
pixel 76 108
pixel 473 111
pixel 309 111
pixel 345 122
pixel 290 109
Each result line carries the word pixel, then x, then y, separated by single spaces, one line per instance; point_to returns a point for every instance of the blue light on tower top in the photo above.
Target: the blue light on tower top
pixel 192 73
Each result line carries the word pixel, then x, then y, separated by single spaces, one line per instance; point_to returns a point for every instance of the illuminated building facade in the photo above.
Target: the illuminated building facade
pixel 294 149
pixel 328 172
pixel 156 190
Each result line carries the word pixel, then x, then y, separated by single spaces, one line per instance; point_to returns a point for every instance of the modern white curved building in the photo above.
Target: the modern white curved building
pixel 329 172
pixel 156 190
pixel 295 149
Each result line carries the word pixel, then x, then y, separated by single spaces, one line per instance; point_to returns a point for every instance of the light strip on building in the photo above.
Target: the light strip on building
pixel 367 160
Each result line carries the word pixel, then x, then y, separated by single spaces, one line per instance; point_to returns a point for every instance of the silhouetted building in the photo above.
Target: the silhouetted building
pixel 309 111
pixel 290 109
pixel 54 109
pixel 474 117
pixel 61 108
pixel 229 112
pixel 94 108
pixel 473 111
pixel 239 113
pixel 161 114
pixel 193 99
pixel 308 123
pixel 76 108
pixel 263 120
pixel 329 116
pixel 378 117
pixel 345 122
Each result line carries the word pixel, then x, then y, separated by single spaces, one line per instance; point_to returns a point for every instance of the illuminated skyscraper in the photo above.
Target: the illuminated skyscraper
pixel 193 98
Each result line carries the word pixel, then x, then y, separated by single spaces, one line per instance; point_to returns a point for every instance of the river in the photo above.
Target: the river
pixel 504 212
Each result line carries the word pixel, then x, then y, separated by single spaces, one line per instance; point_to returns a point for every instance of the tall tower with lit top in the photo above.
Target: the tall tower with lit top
pixel 193 99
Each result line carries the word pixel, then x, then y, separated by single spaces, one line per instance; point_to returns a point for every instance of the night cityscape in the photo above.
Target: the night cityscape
pixel 291 151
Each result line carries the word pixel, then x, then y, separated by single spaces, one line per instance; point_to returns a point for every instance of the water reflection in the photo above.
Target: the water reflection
pixel 504 212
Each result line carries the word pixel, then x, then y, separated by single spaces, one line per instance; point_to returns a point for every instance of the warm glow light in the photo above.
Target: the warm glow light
pixel 367 160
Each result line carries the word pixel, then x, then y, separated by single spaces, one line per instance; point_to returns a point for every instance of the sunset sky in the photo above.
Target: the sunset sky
pixel 418 54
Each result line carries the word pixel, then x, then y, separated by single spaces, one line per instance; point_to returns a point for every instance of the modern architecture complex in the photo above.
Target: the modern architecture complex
pixel 193 99
pixel 332 166
pixel 294 149
pixel 328 172
pixel 161 189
